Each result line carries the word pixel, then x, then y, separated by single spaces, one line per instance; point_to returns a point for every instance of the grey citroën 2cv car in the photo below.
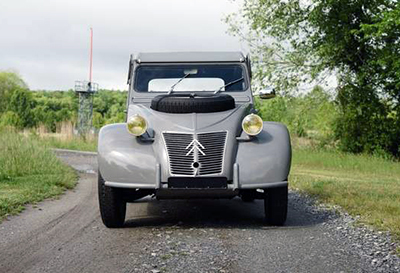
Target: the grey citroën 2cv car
pixel 192 132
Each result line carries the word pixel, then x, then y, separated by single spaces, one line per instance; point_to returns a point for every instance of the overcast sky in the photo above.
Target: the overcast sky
pixel 47 42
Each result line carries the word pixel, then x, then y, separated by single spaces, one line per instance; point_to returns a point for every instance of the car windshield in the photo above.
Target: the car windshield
pixel 188 78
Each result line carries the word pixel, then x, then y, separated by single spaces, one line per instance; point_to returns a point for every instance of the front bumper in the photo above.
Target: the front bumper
pixel 233 185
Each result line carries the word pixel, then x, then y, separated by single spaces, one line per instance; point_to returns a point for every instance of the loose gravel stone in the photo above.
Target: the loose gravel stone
pixel 376 247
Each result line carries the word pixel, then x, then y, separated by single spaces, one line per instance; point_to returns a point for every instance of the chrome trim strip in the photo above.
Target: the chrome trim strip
pixel 129 185
pixel 235 176
pixel 158 176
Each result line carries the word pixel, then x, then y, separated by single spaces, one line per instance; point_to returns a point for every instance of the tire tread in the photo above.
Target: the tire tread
pixel 111 203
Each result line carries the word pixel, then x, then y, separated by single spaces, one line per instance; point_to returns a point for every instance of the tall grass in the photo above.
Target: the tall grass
pixel 65 137
pixel 29 172
pixel 75 143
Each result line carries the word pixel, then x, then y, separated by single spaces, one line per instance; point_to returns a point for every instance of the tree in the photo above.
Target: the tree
pixel 21 103
pixel 15 101
pixel 9 81
pixel 295 41
pixel 10 118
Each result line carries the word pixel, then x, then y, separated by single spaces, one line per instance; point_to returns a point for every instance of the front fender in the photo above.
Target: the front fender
pixel 264 159
pixel 123 160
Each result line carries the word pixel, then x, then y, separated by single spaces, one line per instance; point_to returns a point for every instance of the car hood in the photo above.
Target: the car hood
pixel 192 122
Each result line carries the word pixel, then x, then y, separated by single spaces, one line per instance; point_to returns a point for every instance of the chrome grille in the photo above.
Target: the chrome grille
pixel 209 155
pixel 214 146
pixel 179 162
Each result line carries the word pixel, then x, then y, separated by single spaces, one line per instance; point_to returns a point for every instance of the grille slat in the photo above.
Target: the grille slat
pixel 213 146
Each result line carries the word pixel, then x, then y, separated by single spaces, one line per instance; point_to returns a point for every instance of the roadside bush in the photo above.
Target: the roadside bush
pixel 21 104
pixel 366 123
pixel 311 115
pixel 10 119
pixel 9 82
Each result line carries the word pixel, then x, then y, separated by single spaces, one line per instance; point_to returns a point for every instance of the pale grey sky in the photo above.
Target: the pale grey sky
pixel 47 42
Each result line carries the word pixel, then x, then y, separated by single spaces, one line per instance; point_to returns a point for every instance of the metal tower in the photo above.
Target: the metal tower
pixel 85 90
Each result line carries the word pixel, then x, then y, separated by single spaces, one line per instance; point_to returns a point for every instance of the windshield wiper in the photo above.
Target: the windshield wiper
pixel 175 84
pixel 228 84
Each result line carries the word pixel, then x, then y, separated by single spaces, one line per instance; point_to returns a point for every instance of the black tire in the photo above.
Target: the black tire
pixel 186 103
pixel 275 203
pixel 248 196
pixel 112 205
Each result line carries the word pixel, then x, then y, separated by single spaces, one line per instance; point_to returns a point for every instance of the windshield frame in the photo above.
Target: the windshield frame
pixel 241 65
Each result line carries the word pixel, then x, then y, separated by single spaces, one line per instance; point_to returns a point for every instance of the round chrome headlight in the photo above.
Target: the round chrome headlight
pixel 136 125
pixel 252 124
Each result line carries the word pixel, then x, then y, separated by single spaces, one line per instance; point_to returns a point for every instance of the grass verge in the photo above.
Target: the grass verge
pixel 362 185
pixel 29 173
pixel 75 143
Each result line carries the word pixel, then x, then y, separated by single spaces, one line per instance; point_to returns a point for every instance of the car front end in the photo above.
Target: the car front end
pixel 192 132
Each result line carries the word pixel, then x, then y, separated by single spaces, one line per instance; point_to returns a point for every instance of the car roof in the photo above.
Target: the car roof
pixel 182 57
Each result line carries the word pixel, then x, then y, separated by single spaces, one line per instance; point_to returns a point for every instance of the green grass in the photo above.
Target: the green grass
pixel 363 185
pixel 29 173
pixel 75 143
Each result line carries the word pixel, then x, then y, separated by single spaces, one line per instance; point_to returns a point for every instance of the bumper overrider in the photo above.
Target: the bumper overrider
pixel 178 163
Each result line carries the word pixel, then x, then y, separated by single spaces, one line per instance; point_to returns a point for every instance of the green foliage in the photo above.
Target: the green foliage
pixel 364 123
pixel 297 41
pixel 111 106
pixel 9 82
pixel 22 108
pixel 52 107
pixel 21 104
pixel 98 120
pixel 10 119
pixel 311 115
pixel 15 101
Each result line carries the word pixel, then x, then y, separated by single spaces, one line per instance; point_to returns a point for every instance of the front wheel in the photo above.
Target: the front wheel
pixel 275 203
pixel 112 205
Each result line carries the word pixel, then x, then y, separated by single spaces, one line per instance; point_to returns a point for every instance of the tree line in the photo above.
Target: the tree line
pixel 309 115
pixel 358 42
pixel 22 108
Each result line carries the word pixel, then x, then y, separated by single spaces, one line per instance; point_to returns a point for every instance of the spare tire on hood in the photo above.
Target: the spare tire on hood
pixel 192 103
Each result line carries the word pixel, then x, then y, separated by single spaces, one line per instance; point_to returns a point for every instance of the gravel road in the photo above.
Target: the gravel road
pixel 67 235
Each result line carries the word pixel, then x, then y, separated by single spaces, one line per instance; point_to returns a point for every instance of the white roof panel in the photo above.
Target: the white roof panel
pixel 183 57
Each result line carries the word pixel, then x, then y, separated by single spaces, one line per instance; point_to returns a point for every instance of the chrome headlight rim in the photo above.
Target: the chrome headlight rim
pixel 140 119
pixel 249 118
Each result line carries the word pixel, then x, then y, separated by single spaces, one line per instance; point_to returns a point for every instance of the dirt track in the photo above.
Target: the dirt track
pixel 67 235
